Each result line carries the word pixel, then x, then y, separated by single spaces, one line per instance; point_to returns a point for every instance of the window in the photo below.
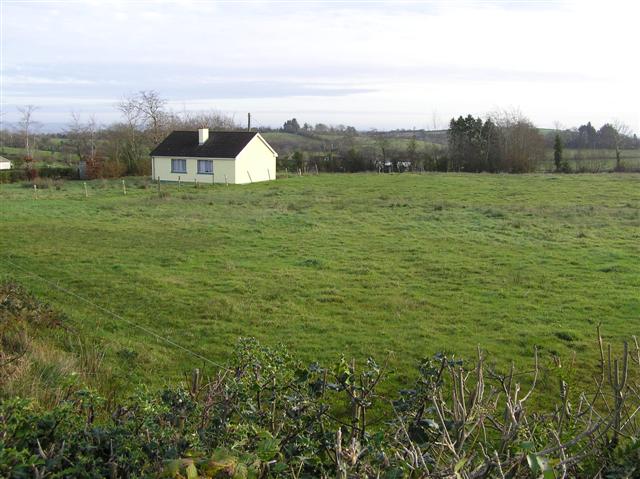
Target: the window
pixel 205 167
pixel 178 166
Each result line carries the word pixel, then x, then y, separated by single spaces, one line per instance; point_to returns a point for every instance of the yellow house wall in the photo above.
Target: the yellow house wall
pixel 257 159
pixel 161 166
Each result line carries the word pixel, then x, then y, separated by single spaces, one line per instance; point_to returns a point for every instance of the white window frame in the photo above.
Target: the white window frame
pixel 183 162
pixel 203 171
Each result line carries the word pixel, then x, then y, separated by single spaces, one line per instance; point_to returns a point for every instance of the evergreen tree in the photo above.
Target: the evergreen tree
pixel 587 136
pixel 291 126
pixel 557 152
pixel 491 147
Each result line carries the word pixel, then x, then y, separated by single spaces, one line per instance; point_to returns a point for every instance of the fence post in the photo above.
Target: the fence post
pixel 124 187
pixel 179 182
pixel 226 183
pixel 35 190
pixel 269 174
pixel 317 173
pixel 86 193
pixel 195 381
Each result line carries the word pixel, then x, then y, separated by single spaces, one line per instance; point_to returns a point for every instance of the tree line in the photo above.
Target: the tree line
pixel 506 142
pixel 293 126
pixel 608 136
pixel 501 142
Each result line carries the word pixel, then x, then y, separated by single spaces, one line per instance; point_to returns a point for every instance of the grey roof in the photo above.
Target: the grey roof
pixel 221 144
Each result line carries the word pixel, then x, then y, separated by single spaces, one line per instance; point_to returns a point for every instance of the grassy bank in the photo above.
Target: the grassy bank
pixel 336 264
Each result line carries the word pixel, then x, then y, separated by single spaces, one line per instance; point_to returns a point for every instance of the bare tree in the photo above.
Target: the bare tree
pixel 130 109
pixel 132 151
pixel 213 119
pixel 82 136
pixel 26 124
pixel 521 144
pixel 622 130
pixel 435 120
pixel 151 107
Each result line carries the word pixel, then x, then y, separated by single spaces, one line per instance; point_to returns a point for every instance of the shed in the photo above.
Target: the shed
pixel 4 163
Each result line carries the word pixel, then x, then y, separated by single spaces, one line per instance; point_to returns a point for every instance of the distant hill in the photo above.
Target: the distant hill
pixel 367 142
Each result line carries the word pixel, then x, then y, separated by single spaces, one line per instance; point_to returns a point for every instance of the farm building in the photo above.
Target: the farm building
pixel 214 157
pixel 4 163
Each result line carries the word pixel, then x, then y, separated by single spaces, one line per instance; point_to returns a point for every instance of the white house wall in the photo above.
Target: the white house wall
pixel 161 167
pixel 256 159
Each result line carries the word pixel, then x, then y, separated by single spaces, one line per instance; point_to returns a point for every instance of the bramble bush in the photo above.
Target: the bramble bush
pixel 267 415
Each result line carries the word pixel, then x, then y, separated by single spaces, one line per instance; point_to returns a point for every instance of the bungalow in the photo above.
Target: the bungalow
pixel 214 157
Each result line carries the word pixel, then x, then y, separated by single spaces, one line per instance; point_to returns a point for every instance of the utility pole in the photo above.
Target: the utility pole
pixel 248 121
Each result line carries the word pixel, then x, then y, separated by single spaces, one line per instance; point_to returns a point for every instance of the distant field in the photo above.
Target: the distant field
pixel 41 157
pixel 287 143
pixel 357 265
pixel 594 160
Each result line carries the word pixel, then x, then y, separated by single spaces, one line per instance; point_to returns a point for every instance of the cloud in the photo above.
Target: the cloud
pixel 556 60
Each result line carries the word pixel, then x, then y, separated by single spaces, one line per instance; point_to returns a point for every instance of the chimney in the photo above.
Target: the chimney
pixel 203 135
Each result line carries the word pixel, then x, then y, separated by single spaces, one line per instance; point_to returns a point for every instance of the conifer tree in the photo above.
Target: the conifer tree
pixel 557 152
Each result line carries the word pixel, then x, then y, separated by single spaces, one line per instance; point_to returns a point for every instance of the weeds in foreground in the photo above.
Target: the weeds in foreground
pixel 31 364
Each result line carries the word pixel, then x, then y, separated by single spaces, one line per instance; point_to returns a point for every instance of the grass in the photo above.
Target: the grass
pixel 357 265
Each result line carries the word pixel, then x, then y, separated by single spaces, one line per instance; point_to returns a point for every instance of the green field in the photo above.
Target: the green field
pixel 358 265
pixel 593 161
pixel 41 157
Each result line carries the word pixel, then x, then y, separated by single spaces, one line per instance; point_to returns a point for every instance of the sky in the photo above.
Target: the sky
pixel 370 64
